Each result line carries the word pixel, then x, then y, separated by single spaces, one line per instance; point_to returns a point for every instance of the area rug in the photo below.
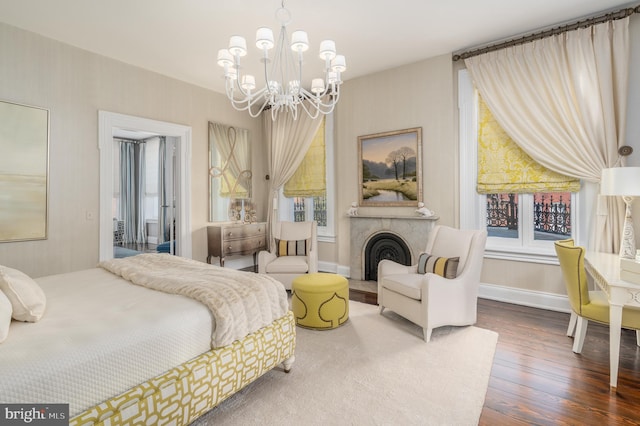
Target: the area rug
pixel 373 370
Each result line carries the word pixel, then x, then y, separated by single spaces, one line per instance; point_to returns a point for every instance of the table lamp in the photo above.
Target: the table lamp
pixel 624 182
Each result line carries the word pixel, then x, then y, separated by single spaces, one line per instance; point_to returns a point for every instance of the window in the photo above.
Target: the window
pixel 520 226
pixel 317 207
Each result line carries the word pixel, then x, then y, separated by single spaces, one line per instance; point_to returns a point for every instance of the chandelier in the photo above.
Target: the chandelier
pixel 283 88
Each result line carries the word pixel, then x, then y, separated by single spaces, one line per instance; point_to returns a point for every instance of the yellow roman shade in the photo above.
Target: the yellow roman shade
pixel 310 178
pixel 505 168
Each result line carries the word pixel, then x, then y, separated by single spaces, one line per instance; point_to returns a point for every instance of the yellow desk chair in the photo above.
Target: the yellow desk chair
pixel 586 305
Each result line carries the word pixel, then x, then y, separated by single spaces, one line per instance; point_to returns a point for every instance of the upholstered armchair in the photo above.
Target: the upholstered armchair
pixel 586 305
pixel 423 294
pixel 294 252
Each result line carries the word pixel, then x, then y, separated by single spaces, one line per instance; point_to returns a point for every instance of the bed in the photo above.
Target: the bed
pixel 163 351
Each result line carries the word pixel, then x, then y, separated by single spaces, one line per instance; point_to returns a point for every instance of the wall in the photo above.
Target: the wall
pixel 74 85
pixel 415 95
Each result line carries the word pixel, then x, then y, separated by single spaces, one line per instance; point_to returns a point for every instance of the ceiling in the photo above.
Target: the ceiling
pixel 180 38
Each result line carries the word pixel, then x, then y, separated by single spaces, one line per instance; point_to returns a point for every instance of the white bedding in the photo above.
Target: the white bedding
pixel 99 336
pixel 241 303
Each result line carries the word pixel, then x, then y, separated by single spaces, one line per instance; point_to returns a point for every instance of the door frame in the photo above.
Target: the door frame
pixel 107 121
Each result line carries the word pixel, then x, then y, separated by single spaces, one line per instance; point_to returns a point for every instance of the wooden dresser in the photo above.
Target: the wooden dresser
pixel 229 239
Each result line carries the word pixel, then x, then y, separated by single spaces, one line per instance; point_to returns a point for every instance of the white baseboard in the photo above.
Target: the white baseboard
pixel 333 268
pixel 532 298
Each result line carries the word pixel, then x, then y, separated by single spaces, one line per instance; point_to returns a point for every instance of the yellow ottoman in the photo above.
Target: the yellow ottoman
pixel 320 300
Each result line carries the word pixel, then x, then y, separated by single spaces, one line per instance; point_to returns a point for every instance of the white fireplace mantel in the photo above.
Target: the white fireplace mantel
pixel 413 230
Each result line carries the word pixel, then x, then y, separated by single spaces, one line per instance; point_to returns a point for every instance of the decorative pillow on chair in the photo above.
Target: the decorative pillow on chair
pixel 292 247
pixel 27 298
pixel 444 266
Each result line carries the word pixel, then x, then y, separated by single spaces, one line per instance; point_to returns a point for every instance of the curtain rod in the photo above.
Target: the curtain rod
pixel 620 14
pixel 129 140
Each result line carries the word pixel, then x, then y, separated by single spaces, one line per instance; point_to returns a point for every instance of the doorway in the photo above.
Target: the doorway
pixel 113 124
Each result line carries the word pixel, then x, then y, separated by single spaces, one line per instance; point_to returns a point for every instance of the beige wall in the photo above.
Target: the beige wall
pixel 74 85
pixel 416 95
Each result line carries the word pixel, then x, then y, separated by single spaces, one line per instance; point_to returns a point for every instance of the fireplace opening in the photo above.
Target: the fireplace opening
pixel 384 246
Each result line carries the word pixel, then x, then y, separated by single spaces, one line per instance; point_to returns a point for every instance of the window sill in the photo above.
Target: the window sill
pixel 521 255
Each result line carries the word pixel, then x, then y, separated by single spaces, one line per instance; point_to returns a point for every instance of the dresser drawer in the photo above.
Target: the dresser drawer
pixel 244 231
pixel 244 246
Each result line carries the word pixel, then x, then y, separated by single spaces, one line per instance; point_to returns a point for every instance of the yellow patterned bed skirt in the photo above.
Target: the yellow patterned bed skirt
pixel 187 391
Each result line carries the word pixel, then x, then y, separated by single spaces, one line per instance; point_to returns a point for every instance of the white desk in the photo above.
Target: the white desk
pixel 605 270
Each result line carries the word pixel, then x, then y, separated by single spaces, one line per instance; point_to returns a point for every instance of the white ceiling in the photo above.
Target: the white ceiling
pixel 180 38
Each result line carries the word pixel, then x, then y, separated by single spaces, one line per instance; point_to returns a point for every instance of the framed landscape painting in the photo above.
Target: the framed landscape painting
pixel 390 168
pixel 24 163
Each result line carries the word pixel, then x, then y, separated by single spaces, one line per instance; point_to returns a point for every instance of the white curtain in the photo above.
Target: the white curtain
pixel 562 99
pixel 288 140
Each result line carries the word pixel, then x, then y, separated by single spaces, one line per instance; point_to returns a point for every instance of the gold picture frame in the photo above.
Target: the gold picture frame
pixel 24 172
pixel 390 168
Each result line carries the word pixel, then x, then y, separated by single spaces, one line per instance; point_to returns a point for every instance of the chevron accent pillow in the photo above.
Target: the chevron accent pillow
pixel 292 247
pixel 446 267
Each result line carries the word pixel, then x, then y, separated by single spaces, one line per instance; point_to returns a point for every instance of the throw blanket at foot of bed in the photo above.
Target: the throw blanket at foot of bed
pixel 240 302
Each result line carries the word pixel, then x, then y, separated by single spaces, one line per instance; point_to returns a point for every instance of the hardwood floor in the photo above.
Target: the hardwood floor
pixel 536 379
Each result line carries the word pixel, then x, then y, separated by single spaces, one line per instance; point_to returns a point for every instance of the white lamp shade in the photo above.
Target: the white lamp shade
pixel 237 46
pixel 264 38
pixel 327 50
pixel 299 41
pixel 317 85
pixel 339 64
pixel 224 58
pixel 248 82
pixel 622 181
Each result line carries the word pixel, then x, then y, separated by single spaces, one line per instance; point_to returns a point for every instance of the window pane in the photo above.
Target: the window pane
pixel 552 215
pixel 320 210
pixel 502 215
pixel 298 209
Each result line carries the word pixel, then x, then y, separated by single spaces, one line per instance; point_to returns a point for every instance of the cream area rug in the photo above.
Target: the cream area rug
pixel 373 370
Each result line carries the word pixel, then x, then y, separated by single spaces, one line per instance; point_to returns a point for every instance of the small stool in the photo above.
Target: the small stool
pixel 320 300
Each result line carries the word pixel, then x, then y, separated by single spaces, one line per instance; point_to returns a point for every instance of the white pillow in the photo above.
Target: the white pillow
pixel 5 316
pixel 27 298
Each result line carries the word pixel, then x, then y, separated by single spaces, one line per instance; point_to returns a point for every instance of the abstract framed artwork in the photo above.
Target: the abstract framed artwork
pixel 390 168
pixel 24 167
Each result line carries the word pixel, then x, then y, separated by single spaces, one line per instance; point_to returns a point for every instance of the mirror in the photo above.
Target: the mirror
pixel 229 173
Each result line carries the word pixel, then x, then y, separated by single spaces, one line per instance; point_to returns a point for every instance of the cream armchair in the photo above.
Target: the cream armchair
pixel 428 299
pixel 295 252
